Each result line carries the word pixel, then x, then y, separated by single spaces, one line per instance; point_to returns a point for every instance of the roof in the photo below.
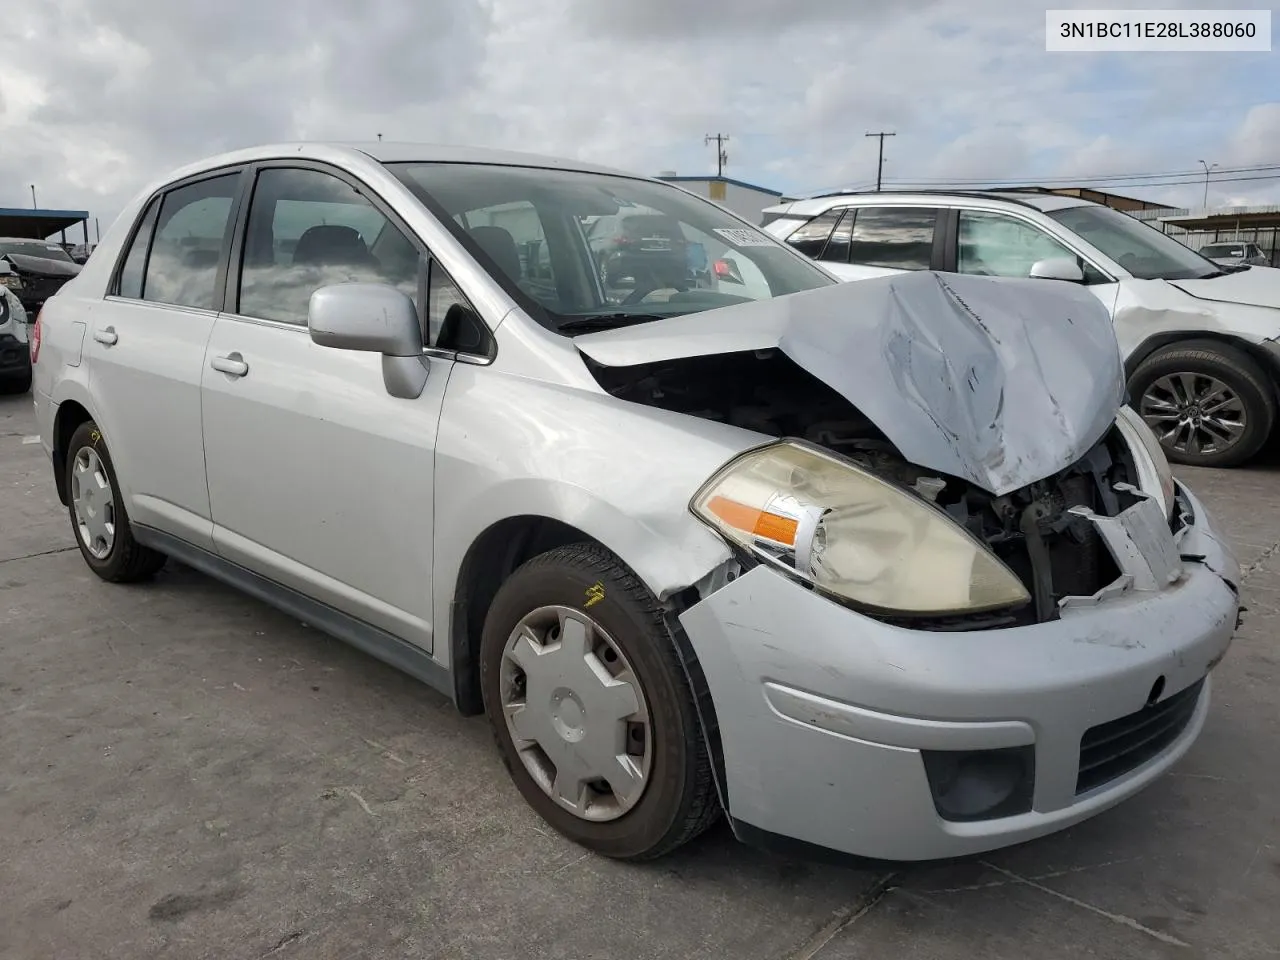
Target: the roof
pixel 718 179
pixel 37 224
pixel 385 152
pixel 1220 218
pixel 1039 201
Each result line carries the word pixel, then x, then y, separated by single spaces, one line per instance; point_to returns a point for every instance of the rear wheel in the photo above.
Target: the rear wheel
pixel 591 709
pixel 99 519
pixel 1210 404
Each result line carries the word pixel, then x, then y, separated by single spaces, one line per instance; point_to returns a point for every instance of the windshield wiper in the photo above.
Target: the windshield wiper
pixel 606 321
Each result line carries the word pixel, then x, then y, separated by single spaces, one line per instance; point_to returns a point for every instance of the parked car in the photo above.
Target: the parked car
pixel 1200 342
pixel 1235 254
pixel 42 267
pixel 15 360
pixel 81 252
pixel 885 567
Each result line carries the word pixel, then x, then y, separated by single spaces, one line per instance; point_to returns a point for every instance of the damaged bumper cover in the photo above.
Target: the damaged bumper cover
pixel 870 739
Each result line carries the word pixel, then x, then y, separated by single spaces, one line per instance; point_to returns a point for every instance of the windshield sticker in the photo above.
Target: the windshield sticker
pixel 743 237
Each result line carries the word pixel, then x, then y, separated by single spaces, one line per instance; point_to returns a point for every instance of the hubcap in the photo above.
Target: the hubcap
pixel 95 505
pixel 576 713
pixel 1194 414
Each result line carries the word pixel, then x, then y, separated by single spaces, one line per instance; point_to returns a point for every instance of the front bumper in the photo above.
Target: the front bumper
pixel 823 713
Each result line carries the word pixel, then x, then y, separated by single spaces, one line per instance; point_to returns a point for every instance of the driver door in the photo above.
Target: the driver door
pixel 318 478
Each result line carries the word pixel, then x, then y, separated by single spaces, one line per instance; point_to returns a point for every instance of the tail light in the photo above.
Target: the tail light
pixel 36 333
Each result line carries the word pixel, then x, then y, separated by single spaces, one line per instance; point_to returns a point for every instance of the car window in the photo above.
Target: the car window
pixel 190 230
pixel 994 245
pixel 308 229
pixel 45 249
pixel 581 250
pixel 1139 248
pixel 895 237
pixel 513 237
pixel 837 248
pixel 812 237
pixel 133 269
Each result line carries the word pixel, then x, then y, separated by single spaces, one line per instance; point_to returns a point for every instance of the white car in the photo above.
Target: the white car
pixel 1199 340
pixel 15 358
pixel 834 558
pixel 1235 254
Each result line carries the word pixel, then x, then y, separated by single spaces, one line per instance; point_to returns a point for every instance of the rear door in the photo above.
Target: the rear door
pixel 319 479
pixel 145 352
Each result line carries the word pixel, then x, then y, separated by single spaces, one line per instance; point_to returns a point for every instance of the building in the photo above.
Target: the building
pixel 42 224
pixel 745 199
pixel 1199 227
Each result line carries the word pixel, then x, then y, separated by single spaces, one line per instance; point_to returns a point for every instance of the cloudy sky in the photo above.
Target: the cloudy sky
pixel 99 96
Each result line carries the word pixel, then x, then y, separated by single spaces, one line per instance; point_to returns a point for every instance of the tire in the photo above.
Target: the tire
pixel 125 560
pixel 678 800
pixel 1199 362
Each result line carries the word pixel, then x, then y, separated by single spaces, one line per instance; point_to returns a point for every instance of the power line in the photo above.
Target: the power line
pixel 721 157
pixel 1193 175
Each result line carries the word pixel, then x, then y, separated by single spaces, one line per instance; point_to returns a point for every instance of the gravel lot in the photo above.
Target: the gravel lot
pixel 185 773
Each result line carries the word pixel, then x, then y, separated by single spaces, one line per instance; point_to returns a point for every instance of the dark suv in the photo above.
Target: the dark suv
pixel 639 248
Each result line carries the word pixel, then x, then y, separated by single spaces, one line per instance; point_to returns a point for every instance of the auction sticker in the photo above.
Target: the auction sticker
pixel 742 237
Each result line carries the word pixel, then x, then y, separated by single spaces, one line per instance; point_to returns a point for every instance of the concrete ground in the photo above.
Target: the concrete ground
pixel 186 773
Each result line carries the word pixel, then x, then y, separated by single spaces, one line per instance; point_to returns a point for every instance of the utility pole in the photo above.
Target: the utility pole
pixel 97 231
pixel 1207 168
pixel 34 205
pixel 880 164
pixel 721 157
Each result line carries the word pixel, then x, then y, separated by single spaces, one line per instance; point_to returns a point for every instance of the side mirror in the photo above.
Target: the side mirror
pixel 375 318
pixel 1057 268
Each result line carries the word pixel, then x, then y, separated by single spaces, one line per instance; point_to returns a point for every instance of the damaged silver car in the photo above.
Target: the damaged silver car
pixel 884 568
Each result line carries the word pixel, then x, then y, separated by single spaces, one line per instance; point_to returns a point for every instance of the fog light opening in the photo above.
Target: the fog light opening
pixel 980 784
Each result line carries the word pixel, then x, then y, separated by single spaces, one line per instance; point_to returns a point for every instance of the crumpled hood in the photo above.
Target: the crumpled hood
pixel 1257 287
pixel 1000 382
pixel 42 266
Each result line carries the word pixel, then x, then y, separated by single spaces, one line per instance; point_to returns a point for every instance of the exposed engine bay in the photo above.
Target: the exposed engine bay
pixel 1054 552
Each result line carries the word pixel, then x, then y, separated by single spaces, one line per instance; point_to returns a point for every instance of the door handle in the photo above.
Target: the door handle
pixel 232 365
pixel 107 336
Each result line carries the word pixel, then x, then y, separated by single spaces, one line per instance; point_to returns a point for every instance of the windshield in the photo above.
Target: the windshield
pixel 584 251
pixel 1222 250
pixel 1142 250
pixel 35 248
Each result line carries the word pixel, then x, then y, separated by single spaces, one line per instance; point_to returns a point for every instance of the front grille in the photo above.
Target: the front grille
pixel 1112 749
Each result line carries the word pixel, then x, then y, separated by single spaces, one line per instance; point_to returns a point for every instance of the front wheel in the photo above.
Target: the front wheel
pixel 1210 404
pixel 591 709
pixel 99 519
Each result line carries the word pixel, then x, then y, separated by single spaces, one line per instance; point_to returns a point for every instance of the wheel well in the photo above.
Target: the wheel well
pixel 70 416
pixel 492 558
pixel 1264 358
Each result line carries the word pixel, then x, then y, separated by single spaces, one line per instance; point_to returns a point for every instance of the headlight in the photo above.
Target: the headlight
pixel 854 535
pixel 1154 474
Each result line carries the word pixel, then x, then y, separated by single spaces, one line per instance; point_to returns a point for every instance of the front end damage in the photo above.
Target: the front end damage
pixel 919 737
pixel 996 400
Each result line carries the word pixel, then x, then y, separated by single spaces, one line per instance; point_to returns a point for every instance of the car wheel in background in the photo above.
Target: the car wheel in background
pixel 591 709
pixel 1210 404
pixel 99 519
